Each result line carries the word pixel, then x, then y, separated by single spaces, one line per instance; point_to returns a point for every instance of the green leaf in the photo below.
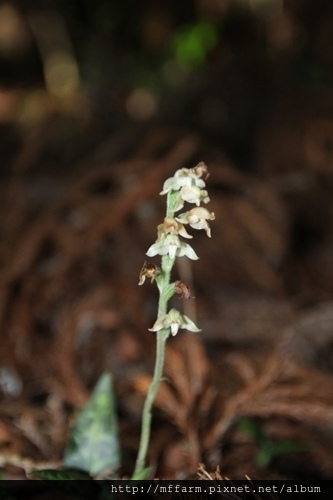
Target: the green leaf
pixel 93 444
pixel 60 475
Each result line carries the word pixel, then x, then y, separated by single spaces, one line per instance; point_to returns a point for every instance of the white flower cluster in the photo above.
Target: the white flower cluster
pixel 187 185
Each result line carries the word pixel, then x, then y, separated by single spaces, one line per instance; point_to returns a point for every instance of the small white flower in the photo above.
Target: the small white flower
pixel 193 194
pixel 189 176
pixel 183 177
pixel 175 321
pixel 166 244
pixel 172 226
pixel 197 218
pixel 171 245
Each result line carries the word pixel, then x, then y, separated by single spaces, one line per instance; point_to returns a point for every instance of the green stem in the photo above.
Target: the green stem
pixel 161 338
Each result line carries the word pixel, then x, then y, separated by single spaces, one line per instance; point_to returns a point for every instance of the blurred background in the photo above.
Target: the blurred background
pixel 100 102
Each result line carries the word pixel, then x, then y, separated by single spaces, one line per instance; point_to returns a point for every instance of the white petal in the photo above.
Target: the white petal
pixel 168 185
pixel 188 324
pixel 191 194
pixel 156 326
pixel 182 231
pixel 172 250
pixel 204 197
pixel 153 250
pixel 199 213
pixel 187 250
pixel 182 173
pixel 201 224
pixel 174 328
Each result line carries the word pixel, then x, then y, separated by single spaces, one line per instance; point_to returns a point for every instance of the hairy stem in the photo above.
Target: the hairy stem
pixel 161 338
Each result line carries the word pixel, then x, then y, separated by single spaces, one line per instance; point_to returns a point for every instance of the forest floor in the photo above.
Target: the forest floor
pixel 251 393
